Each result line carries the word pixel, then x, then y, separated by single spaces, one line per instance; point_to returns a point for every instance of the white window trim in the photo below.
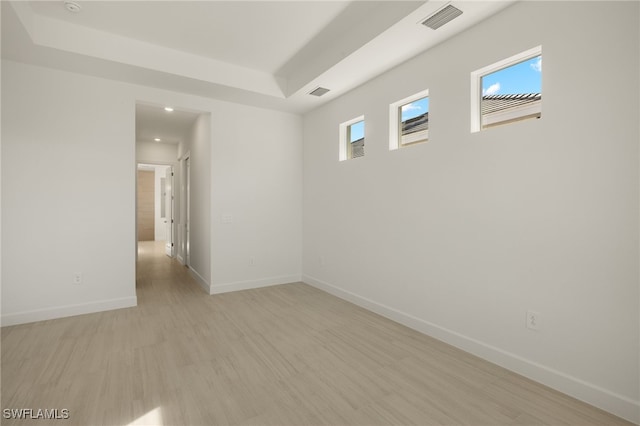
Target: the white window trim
pixel 476 81
pixel 394 117
pixel 343 148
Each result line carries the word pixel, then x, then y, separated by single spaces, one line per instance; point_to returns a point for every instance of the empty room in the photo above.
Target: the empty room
pixel 320 212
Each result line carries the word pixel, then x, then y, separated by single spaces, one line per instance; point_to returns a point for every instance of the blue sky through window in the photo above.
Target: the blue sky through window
pixel 357 131
pixel 523 77
pixel 415 108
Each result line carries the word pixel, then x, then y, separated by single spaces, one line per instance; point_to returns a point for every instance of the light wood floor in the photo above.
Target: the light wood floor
pixel 282 355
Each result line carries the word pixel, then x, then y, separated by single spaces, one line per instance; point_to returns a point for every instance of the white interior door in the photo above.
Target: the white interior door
pixel 168 217
pixel 188 211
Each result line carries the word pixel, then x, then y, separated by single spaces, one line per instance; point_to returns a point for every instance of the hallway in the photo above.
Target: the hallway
pixel 160 279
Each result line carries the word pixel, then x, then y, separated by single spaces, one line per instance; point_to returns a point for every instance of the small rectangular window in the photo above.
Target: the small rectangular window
pixel 352 139
pixel 409 121
pixel 507 91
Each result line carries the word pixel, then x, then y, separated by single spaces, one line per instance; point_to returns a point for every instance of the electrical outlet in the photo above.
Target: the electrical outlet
pixel 252 260
pixel 533 320
pixel 77 278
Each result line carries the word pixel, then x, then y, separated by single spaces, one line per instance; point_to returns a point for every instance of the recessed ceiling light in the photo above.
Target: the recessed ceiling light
pixel 168 109
pixel 72 6
pixel 157 139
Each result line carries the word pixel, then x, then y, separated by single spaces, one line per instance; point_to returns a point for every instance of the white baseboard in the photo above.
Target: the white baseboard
pixel 180 259
pixel 68 311
pixel 200 280
pixel 616 404
pixel 247 285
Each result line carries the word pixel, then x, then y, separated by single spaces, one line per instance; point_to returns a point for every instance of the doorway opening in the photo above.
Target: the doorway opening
pixel 156 205
pixel 179 140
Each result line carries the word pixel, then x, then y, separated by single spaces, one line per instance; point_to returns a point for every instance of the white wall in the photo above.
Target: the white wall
pixel 459 237
pixel 52 125
pixel 156 153
pixel 198 146
pixel 256 204
pixel 70 158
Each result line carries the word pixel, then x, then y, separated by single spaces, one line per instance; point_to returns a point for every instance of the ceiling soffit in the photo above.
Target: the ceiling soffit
pixel 352 34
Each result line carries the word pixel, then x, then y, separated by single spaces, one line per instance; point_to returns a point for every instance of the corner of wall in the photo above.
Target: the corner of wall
pixel 251 284
pixel 198 278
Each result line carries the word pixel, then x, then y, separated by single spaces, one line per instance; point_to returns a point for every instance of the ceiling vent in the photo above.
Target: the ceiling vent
pixel 441 17
pixel 318 91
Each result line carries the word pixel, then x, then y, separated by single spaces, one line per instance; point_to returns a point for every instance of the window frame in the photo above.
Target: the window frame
pixel 395 117
pixel 476 83
pixel 345 136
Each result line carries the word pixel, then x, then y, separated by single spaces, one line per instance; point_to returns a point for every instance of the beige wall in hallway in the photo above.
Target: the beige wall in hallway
pixel 146 219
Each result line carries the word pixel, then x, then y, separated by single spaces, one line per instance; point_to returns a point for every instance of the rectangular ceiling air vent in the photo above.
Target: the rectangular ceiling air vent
pixel 318 91
pixel 441 17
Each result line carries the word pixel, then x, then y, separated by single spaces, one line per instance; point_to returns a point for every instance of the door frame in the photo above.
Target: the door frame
pixel 184 223
pixel 171 233
pixel 173 211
